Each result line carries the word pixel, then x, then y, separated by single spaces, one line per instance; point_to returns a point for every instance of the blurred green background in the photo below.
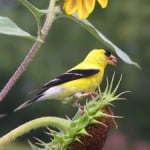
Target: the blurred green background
pixel 126 23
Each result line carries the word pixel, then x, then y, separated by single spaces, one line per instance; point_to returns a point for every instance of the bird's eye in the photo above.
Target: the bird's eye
pixel 107 53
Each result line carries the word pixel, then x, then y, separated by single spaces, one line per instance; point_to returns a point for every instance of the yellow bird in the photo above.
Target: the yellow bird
pixel 78 82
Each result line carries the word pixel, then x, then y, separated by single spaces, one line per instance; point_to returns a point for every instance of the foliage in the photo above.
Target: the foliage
pixel 126 23
pixel 71 130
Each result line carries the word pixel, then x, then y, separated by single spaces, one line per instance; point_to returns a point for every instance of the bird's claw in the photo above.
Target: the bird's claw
pixel 78 105
pixel 80 95
pixel 92 95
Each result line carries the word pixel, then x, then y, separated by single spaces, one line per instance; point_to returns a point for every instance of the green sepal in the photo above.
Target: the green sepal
pixel 78 139
pixel 94 121
pixel 84 132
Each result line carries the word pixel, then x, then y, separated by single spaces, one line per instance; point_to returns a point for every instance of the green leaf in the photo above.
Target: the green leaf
pixel 37 13
pixel 34 10
pixel 8 27
pixel 97 34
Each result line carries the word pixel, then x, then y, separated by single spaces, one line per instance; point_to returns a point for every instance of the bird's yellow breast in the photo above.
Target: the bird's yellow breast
pixel 84 85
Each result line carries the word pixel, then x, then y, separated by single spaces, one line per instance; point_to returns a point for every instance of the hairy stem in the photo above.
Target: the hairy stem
pixel 59 123
pixel 33 51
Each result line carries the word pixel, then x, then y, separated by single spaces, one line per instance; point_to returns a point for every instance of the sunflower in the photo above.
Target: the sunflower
pixel 83 7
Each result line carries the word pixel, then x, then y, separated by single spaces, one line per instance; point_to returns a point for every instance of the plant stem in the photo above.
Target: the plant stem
pixel 59 123
pixel 33 51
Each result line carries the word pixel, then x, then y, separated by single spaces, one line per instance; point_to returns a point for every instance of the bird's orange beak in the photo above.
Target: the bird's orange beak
pixel 112 60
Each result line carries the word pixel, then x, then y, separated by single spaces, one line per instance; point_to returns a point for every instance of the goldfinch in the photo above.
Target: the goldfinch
pixel 78 82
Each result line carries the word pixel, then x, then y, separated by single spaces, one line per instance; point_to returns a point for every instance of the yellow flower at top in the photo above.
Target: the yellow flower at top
pixel 83 7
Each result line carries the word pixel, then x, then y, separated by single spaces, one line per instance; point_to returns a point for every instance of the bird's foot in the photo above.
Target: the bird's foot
pixel 81 108
pixel 80 95
pixel 92 95
pixel 78 105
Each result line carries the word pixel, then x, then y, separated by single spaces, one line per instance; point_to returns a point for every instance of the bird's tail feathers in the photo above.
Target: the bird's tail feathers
pixel 25 104
pixel 3 115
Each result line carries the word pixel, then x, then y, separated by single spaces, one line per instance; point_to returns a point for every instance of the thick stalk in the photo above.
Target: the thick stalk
pixel 33 51
pixel 59 123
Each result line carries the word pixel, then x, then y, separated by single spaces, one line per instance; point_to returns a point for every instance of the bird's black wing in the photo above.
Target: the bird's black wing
pixel 69 76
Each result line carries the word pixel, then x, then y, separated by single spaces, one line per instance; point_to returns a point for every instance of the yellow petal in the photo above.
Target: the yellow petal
pixel 89 4
pixel 103 3
pixel 85 7
pixel 70 6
